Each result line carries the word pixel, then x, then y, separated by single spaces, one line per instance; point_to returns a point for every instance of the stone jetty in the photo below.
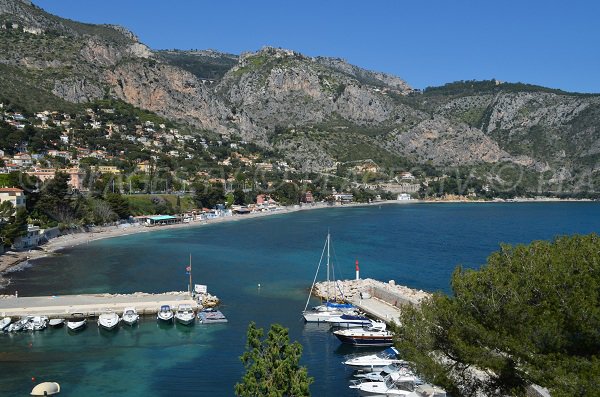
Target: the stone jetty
pixel 381 300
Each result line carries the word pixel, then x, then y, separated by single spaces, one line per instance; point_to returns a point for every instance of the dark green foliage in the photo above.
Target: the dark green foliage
pixel 55 200
pixel 201 64
pixel 208 195
pixel 531 315
pixel 239 197
pixel 118 204
pixel 272 365
pixel 16 228
pixel 287 193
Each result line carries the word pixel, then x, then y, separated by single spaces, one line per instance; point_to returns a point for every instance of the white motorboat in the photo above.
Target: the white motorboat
pixel 375 362
pixel 373 335
pixel 37 323
pixel 331 308
pixel 77 322
pixel 165 314
pixel 19 325
pixel 394 385
pixel 56 322
pixel 348 320
pixel 185 315
pixel 108 321
pixel 4 323
pixel 377 376
pixel 130 316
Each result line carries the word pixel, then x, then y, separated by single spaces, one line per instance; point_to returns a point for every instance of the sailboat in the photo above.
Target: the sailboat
pixel 329 309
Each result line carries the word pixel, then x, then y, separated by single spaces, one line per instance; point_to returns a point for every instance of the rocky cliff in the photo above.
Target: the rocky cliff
pixel 319 111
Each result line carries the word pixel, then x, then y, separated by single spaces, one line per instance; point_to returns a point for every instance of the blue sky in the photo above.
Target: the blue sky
pixel 550 43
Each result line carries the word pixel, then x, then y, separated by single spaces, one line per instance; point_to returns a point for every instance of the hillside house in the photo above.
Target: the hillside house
pixel 14 195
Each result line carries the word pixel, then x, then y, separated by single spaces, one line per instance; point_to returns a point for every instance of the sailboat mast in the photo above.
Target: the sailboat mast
pixel 328 281
pixel 190 285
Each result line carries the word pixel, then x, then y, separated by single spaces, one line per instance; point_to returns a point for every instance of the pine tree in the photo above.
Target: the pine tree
pixel 272 365
pixel 531 315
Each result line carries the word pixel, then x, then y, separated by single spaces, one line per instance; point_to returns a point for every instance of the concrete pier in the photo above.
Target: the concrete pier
pixel 91 305
pixel 380 300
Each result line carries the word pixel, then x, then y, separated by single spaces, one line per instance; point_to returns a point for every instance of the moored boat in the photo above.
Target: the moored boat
pixel 375 362
pixel 130 316
pixel 350 321
pixel 331 308
pixel 185 315
pixel 211 316
pixel 108 321
pixel 374 335
pixel 4 323
pixel 77 322
pixel 397 384
pixel 56 322
pixel 37 323
pixel 165 314
pixel 19 325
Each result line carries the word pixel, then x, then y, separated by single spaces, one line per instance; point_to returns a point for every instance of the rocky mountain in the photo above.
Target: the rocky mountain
pixel 320 112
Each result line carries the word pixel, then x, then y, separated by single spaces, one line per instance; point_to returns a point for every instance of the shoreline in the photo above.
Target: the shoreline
pixel 12 261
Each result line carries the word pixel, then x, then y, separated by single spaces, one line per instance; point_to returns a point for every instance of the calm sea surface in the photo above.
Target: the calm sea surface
pixel 415 244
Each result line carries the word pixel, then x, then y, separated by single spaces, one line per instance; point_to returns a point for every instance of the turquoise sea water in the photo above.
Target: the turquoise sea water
pixel 418 245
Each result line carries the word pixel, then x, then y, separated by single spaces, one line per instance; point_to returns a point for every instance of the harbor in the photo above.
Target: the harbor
pixel 172 360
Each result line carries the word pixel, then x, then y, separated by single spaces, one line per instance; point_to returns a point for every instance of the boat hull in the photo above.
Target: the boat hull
pixel 365 340
pixel 76 326
pixel 130 320
pixel 185 321
pixel 319 317
pixel 108 322
pixel 165 317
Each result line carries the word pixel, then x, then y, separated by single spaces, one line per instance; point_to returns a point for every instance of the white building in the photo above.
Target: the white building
pixel 15 195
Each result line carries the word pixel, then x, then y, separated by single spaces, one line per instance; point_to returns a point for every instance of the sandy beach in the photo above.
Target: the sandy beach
pixel 13 260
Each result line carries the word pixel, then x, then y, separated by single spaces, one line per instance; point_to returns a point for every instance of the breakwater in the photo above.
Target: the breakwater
pixel 92 305
pixel 381 300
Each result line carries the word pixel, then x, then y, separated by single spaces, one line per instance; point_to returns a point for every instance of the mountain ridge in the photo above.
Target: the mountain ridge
pixel 317 106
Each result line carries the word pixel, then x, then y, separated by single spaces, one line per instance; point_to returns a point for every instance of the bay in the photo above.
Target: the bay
pixel 417 245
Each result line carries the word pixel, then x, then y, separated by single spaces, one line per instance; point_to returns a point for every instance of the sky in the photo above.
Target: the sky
pixel 425 42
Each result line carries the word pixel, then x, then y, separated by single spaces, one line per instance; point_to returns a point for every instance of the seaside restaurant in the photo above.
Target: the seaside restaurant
pixel 160 220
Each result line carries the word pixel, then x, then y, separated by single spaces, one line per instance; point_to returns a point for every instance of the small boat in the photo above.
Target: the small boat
pixel 56 322
pixel 373 335
pixel 19 325
pixel 130 316
pixel 108 321
pixel 165 314
pixel 37 323
pixel 77 322
pixel 378 376
pixel 4 323
pixel 396 384
pixel 350 321
pixel 375 362
pixel 185 315
pixel 46 389
pixel 211 316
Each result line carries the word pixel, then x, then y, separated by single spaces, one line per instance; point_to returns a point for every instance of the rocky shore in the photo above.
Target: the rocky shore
pixel 353 290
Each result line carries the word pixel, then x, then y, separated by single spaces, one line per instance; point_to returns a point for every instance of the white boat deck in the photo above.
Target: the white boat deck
pixel 91 305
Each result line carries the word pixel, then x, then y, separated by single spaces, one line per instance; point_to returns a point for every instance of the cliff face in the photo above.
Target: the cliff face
pixel 317 110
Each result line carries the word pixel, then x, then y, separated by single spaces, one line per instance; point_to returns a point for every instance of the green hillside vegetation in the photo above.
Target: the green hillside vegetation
pixel 199 64
pixel 530 315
